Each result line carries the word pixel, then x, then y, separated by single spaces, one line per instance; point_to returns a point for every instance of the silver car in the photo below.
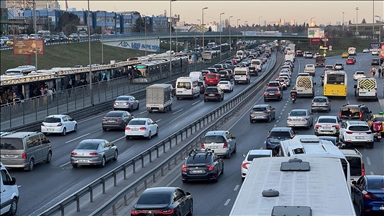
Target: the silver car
pixel 320 103
pixel 262 112
pixel 300 118
pixel 327 125
pixel 221 142
pixel 93 152
pixel 126 102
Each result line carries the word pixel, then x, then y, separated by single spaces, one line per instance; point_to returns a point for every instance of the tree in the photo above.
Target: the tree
pixel 210 29
pixel 349 22
pixel 363 21
pixel 68 22
pixel 140 25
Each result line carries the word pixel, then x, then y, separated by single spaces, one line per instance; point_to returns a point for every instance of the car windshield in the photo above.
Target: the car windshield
pixel 223 72
pixel 186 85
pixel 137 122
pixel 359 128
pixel 251 157
pixel 320 100
pixel 258 109
pixel 298 113
pixel 360 72
pixel 113 114
pixel 211 90
pixel 123 98
pixel 214 139
pixel 354 165
pixel 198 159
pixel 281 134
pixel 88 145
pixel 52 120
pixel 350 111
pixel 11 144
pixel 272 89
pixel 154 199
pixel 223 82
pixel 375 184
pixel 274 84
pixel 327 120
pixel 379 119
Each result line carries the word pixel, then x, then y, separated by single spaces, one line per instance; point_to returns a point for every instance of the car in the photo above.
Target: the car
pixel 308 55
pixel 375 51
pixel 365 50
pixel 93 152
pixel 219 66
pixel 58 124
pixel 356 163
pixel 205 72
pixel 300 118
pixel 213 70
pixel 141 127
pixel 299 53
pixel 262 112
pixel 212 79
pixel 356 133
pixel 275 84
pixel 283 82
pixel 328 67
pixel 344 55
pixel 163 201
pixel 354 112
pixel 376 117
pixel 338 66
pixel 350 61
pixel 277 134
pixel 367 192
pixel 202 165
pixel 358 74
pixel 282 74
pixel 286 79
pixel 9 192
pixel 116 120
pixel 248 158
pixel 126 102
pixel 213 93
pixel 225 86
pixel 221 142
pixel 327 125
pixel 224 75
pixel 375 61
pixel 202 86
pixel 320 103
pixel 273 93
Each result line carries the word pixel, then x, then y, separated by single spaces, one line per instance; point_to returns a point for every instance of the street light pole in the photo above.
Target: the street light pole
pixel 237 37
pixel 380 27
pixel 145 33
pixel 35 29
pixel 221 28
pixel 229 29
pixel 357 13
pixel 89 54
pixel 170 36
pixel 202 21
pixel 102 37
pixel 343 21
pixel 246 27
pixel 373 19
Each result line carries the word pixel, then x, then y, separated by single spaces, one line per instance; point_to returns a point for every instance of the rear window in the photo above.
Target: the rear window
pixel 214 139
pixel 211 76
pixel 327 120
pixel 11 144
pixel 223 72
pixel 211 90
pixel 271 89
pixel 259 109
pixel 309 66
pixel 186 85
pixel 52 120
pixel 113 114
pixel 241 72
pixel 136 122
pixel 359 128
pixel 298 113
pixel 361 72
pixel 274 84
pixel 354 165
pixel 123 98
pixel 350 111
pixel 321 100
pixel 251 157
pixel 281 134
pixel 223 82
pixel 198 159
pixel 217 66
pixel 375 184
pixel 88 145
pixel 154 199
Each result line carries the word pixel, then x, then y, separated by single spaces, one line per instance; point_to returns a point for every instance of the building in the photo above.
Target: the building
pixel 292 23
pixel 160 23
pixel 282 22
pixel 28 4
pixel 106 21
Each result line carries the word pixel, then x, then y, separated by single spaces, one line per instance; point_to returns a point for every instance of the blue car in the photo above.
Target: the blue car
pixel 276 135
pixel 368 194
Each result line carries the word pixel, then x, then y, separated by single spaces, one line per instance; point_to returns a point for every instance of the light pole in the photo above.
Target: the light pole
pixel 35 29
pixel 229 29
pixel 237 37
pixel 49 29
pixel 357 14
pixel 170 36
pixel 89 54
pixel 246 27
pixel 102 37
pixel 202 22
pixel 310 24
pixel 145 33
pixel 343 21
pixel 221 29
pixel 259 21
pixel 379 27
pixel 373 19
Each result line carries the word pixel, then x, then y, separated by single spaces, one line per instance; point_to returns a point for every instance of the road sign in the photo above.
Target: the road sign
pixel 324 39
pixel 330 48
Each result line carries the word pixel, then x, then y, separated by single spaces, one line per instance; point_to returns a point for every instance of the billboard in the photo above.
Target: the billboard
pixel 28 47
pixel 374 46
pixel 151 45
pixel 315 41
pixel 316 32
pixel 261 34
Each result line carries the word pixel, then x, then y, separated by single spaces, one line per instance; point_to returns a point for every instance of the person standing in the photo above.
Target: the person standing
pixel 379 71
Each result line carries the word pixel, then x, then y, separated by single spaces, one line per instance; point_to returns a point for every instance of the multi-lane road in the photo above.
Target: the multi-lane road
pixel 48 184
pixel 218 198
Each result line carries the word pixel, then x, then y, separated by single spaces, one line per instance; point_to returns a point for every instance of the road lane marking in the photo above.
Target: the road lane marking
pixel 178 111
pixel 368 161
pixel 77 138
pixel 196 102
pixel 371 173
pixel 236 188
pixel 227 202
pixel 158 120
pixel 65 164
pixel 143 112
pixel 118 139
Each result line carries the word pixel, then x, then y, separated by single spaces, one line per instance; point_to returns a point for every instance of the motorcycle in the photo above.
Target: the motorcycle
pixel 377 127
pixel 377 136
pixel 293 98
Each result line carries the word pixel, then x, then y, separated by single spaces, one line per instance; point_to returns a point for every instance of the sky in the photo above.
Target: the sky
pixel 321 12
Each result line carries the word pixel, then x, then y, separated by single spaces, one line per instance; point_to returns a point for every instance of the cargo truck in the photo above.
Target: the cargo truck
pixel 320 61
pixel 159 98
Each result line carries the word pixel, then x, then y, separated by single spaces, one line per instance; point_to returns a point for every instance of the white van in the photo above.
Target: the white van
pixel 240 54
pixel 197 74
pixel 257 64
pixel 305 86
pixel 242 75
pixel 366 88
pixel 187 87
pixel 9 192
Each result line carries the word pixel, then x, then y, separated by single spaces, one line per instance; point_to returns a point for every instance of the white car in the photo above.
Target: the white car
pixel 327 125
pixel 9 192
pixel 58 124
pixel 358 74
pixel 375 52
pixel 285 74
pixel 226 86
pixel 141 127
pixel 252 154
pixel 356 133
pixel 287 80
pixel 365 50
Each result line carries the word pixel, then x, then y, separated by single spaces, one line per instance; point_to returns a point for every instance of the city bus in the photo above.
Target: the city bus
pixel 335 83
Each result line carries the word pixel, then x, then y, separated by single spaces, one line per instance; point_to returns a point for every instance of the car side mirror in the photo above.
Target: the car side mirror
pixel 355 86
pixel 244 155
pixel 370 111
pixel 46 141
pixel 314 83
pixel 353 182
pixel 233 137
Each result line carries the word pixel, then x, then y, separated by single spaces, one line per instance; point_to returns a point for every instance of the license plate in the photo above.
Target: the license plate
pixel 197 171
pixel 83 161
pixel 299 90
pixel 271 94
pixel 359 137
pixel 50 129
pixel 211 94
pixel 222 75
pixel 213 147
pixel 259 117
pixel 135 129
pixel 179 91
pixel 111 120
pixel 327 128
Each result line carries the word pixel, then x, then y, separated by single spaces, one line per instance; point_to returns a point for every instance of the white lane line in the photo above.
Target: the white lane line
pixel 227 202
pixel 236 188
pixel 87 119
pixel 158 120
pixel 178 111
pixel 65 164
pixel 77 138
pixel 261 148
pixel 371 173
pixel 143 112
pixel 368 161
pixel 196 102
pixel 19 186
pixel 118 139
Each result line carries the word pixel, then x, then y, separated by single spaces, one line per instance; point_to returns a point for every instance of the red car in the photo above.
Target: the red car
pixel 273 93
pixel 350 61
pixel 212 79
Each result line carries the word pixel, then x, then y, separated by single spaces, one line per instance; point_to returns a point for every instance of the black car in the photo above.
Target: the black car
pixel 116 120
pixel 276 135
pixel 213 93
pixel 171 201
pixel 224 75
pixel 375 61
pixel 202 165
pixel 354 112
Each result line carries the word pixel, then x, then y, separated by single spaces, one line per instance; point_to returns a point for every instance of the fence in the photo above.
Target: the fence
pixel 208 122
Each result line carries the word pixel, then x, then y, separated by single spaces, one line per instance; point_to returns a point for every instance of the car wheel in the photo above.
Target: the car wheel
pixel 184 181
pixel 269 119
pixel 234 150
pixel 149 135
pixel 115 155
pixel 361 209
pixel 265 100
pixel 75 165
pixel 229 155
pixel 104 129
pixel 64 132
pixel 31 164
pixel 127 137
pixel 138 105
pixel 75 128
pixel 13 209
pixel 370 145
pixel 190 211
pixel 157 131
pixel 102 164
pixel 49 157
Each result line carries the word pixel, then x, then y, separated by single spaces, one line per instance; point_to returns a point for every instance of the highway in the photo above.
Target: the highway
pixel 48 184
pixel 218 198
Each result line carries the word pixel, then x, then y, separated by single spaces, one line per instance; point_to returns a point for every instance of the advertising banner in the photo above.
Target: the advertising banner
pixel 261 34
pixel 316 33
pixel 28 47
pixel 315 41
pixel 374 46
pixel 151 45
pixel 382 53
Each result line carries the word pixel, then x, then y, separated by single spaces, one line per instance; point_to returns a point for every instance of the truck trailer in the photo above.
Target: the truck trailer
pixel 159 98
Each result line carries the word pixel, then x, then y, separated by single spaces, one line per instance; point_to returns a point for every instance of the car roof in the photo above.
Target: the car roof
pixel 159 190
pixel 260 152
pixel 357 122
pixel 321 97
pixel 350 152
pixel 261 105
pixel 281 129
pixel 124 96
pixel 321 117
pixel 138 119
pixel 94 140
pixel 209 133
pixel 299 110
pixel 55 116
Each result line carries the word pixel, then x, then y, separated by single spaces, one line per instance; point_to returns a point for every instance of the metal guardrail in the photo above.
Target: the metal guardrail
pixel 175 138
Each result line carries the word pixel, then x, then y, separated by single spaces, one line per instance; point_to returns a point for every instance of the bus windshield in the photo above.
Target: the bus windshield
pixel 335 79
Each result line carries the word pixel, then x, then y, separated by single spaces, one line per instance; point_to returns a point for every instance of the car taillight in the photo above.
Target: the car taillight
pixel 251 112
pixel 127 103
pixel 336 126
pixel 104 119
pixel 244 165
pixel 210 167
pixel 119 120
pixel 304 119
pixel 349 132
pixel 114 103
pixel 289 119
pixel 59 124
pixel 143 128
pixel 266 111
pixel 369 132
pixel 202 146
pixel 369 196
pixel 216 92
pixel 167 212
pixel 93 153
pixel 312 103
pixel 265 93
pixel 24 156
pixel 73 153
pixel 362 169
pixel 361 115
pixel 317 126
pixel 42 124
pixel 127 128
pixel 340 114
pixel 184 168
pixel 225 145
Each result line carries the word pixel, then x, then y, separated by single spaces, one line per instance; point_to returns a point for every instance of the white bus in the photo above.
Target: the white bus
pixel 20 71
